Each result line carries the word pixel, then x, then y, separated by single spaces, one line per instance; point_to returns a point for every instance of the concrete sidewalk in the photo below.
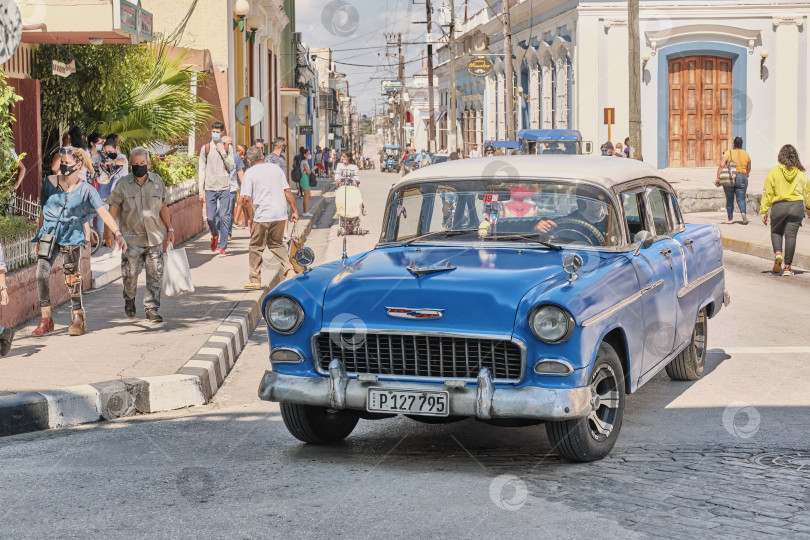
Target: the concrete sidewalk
pixel 754 238
pixel 697 192
pixel 124 366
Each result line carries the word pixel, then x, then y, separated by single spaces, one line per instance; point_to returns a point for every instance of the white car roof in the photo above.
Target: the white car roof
pixel 605 170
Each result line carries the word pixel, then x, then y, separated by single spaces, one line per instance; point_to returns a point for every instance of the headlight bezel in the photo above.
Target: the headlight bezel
pixel 566 315
pixel 296 305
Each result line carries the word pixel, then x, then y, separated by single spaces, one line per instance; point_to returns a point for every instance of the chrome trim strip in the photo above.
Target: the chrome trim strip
pixel 521 345
pixel 699 281
pixel 483 395
pixel 624 303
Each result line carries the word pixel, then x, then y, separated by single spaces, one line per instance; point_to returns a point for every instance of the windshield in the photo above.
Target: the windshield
pixel 558 212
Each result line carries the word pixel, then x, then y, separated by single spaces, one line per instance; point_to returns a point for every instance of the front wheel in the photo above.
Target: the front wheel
pixel 317 425
pixel 592 437
pixel 689 364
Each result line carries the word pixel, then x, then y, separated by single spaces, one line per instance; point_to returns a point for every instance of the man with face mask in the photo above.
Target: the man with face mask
pixel 139 203
pixel 215 167
pixel 591 209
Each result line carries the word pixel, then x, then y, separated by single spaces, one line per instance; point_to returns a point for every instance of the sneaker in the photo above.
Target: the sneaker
pixel 788 271
pixel 777 263
pixel 129 307
pixel 222 253
pixel 153 315
pixel 6 337
pixel 214 243
pixel 745 219
pixel 307 214
pixel 252 286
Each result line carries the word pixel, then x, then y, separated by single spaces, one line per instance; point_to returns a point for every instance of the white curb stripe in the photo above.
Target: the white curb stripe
pixel 230 342
pixel 169 392
pixel 73 405
pixel 220 354
pixel 241 322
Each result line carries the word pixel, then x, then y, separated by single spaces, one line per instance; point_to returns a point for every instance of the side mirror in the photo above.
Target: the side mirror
pixel 587 147
pixel 305 257
pixel 643 240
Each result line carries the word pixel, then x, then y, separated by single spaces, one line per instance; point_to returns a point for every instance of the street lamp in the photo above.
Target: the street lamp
pixel 254 22
pixel 763 55
pixel 240 10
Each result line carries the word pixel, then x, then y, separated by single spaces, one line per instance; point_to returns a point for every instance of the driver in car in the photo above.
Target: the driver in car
pixel 591 209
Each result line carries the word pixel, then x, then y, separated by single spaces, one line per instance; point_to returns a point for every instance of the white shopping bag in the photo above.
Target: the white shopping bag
pixel 176 272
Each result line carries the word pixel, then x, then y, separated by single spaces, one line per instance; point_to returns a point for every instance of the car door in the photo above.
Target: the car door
pixel 655 267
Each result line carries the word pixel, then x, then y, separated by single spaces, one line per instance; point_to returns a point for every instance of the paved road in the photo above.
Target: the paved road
pixel 230 470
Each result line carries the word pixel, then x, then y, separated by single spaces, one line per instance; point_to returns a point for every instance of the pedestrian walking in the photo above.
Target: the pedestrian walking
pixel 215 166
pixel 276 156
pixel 629 151
pixel 259 143
pixel 475 153
pixel 347 171
pixel 74 137
pixel 304 185
pixel 265 187
pixel 6 334
pixel 112 168
pixel 743 168
pixel 237 175
pixel 138 201
pixel 787 196
pixel 67 203
pixel 619 150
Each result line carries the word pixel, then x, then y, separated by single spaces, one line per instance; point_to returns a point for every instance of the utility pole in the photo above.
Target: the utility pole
pixel 432 131
pixel 510 78
pixel 401 92
pixel 451 137
pixel 635 77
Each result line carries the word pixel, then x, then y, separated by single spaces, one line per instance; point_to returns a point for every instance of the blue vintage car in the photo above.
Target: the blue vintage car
pixel 513 290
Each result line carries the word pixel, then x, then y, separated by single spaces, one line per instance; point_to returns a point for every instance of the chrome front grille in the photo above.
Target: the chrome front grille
pixel 407 355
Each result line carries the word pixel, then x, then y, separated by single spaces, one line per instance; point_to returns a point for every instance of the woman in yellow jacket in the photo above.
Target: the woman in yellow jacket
pixel 787 195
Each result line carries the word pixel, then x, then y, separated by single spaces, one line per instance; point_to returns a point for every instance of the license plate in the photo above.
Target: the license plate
pixel 419 402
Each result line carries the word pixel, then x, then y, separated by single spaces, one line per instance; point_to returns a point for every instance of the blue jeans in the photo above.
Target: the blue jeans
pixel 231 208
pixel 216 213
pixel 736 191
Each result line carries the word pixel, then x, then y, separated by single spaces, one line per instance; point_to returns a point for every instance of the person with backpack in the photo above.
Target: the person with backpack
pixel 215 167
pixel 787 195
pixel 295 176
pixel 739 163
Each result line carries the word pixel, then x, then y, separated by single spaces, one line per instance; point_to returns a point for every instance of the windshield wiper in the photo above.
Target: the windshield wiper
pixel 528 237
pixel 440 234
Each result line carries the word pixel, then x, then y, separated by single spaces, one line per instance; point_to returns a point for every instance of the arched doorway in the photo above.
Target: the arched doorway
pixel 700 110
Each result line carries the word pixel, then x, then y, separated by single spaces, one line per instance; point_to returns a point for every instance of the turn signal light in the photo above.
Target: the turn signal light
pixel 548 366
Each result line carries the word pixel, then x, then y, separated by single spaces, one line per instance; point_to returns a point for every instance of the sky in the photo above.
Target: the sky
pixel 355 31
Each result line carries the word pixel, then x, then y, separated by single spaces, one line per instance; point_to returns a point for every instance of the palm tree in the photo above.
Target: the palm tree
pixel 158 109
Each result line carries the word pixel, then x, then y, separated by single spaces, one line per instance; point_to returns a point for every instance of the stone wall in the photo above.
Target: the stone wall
pixel 187 218
pixel 713 200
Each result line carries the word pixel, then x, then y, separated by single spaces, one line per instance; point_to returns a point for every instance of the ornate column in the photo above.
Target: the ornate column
pixel 501 106
pixel 548 90
pixel 534 97
pixel 561 112
pixel 491 109
pixel 786 67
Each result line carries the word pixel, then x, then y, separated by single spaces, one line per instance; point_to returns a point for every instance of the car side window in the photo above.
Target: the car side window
pixel 675 212
pixel 634 213
pixel 409 215
pixel 659 207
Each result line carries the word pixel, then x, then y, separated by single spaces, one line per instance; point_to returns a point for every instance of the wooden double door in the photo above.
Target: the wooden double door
pixel 700 109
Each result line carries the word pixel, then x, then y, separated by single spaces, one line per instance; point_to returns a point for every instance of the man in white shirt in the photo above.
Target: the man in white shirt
pixel 265 186
pixel 474 153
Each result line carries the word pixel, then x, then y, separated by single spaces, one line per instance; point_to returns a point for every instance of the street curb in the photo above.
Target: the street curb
pixel 192 385
pixel 761 250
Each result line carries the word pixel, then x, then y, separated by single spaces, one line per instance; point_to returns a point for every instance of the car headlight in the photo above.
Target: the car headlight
pixel 551 324
pixel 283 314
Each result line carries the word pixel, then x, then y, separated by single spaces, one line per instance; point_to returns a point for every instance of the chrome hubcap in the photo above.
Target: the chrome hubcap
pixel 604 403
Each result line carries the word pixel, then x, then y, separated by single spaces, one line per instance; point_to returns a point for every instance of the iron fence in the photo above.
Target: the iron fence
pixel 20 206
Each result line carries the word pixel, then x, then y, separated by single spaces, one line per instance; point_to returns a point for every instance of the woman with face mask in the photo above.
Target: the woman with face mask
pixel 67 203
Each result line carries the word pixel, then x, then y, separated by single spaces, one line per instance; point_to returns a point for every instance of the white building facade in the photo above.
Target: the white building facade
pixel 715 70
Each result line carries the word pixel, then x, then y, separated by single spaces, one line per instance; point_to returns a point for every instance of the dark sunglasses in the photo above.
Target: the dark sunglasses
pixel 67 151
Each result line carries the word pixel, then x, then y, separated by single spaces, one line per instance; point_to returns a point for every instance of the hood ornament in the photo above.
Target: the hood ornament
pixel 420 271
pixel 414 313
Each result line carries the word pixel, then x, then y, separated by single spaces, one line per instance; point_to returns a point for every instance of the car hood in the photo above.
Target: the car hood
pixel 480 295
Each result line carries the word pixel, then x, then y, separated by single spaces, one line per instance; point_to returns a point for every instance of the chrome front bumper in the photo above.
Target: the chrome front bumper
pixel 483 401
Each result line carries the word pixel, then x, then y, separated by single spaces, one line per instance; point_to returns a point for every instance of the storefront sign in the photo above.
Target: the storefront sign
pixel 137 21
pixel 479 67
pixel 62 69
pixel 391 86
pixel 305 130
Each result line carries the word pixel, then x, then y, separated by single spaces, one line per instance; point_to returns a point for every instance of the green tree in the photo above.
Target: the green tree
pixel 157 108
pixel 7 162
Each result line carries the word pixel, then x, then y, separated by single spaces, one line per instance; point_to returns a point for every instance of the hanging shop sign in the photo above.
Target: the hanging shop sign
pixel 62 69
pixel 305 130
pixel 137 21
pixel 391 86
pixel 479 67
